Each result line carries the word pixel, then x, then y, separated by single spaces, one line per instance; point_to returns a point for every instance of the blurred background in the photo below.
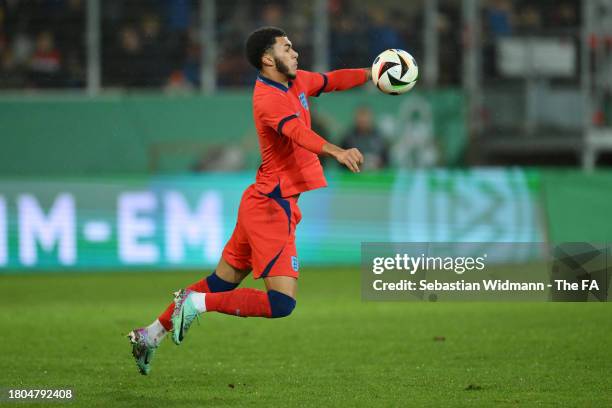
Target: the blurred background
pixel 127 134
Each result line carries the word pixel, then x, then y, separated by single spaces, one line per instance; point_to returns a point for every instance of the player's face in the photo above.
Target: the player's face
pixel 285 57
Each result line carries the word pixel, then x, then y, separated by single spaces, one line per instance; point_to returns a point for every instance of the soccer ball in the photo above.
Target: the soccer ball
pixel 394 72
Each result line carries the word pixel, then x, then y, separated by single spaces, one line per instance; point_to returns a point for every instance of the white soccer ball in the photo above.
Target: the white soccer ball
pixel 394 72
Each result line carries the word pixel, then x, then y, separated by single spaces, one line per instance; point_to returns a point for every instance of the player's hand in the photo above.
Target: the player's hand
pixel 351 158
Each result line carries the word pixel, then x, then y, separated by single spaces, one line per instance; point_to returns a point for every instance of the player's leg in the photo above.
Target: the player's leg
pixel 271 236
pixel 282 291
pixel 228 273
pixel 233 267
pixel 223 279
pixel 277 301
pixel 286 285
pixel 146 340
pixel 281 279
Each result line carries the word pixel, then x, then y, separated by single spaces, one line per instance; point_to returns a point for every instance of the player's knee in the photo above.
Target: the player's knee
pixel 281 305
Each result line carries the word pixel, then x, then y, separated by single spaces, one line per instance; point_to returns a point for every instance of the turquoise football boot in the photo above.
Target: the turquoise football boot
pixel 184 314
pixel 143 350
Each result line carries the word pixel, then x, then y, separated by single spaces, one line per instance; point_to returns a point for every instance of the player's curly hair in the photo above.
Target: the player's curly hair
pixel 260 41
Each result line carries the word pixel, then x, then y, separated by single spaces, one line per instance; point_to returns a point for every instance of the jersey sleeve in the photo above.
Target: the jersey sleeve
pixel 342 79
pixel 315 82
pixel 275 111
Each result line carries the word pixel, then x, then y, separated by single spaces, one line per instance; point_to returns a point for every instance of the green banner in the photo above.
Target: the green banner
pixel 578 206
pixel 184 222
pixel 133 133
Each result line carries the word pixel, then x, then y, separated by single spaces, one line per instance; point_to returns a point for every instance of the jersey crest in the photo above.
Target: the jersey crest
pixel 303 100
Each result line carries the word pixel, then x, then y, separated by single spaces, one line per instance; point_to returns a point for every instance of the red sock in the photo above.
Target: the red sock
pixel 164 318
pixel 243 302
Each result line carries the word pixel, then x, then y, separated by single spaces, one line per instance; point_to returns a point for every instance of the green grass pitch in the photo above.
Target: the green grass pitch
pixel 68 330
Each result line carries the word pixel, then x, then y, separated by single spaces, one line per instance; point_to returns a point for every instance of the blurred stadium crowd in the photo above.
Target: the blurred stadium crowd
pixel 157 43
pixel 165 45
pixel 40 46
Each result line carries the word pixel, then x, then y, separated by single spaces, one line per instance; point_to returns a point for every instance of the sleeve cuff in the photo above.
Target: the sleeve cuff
pixel 325 80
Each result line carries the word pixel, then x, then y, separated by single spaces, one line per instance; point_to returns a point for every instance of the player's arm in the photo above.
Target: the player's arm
pixel 351 158
pixel 275 112
pixel 343 79
pixel 310 140
pixel 339 80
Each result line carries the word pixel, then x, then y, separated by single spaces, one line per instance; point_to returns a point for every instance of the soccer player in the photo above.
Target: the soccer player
pixel 263 241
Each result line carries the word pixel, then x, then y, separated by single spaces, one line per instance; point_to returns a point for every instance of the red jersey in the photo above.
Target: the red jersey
pixel 289 148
